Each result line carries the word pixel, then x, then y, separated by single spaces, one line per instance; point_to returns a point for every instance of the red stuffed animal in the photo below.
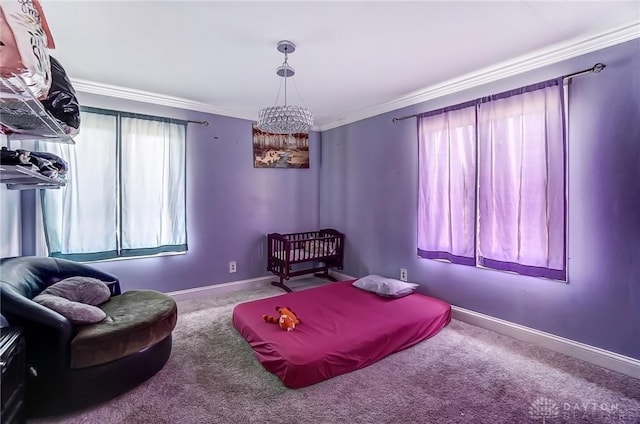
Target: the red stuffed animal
pixel 287 320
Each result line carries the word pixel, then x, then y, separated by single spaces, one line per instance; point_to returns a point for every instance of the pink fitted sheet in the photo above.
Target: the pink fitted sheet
pixel 342 329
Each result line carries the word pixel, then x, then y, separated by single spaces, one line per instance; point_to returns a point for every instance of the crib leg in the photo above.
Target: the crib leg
pixel 282 285
pixel 326 275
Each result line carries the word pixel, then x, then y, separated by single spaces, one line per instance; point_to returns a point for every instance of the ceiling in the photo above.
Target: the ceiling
pixel 353 59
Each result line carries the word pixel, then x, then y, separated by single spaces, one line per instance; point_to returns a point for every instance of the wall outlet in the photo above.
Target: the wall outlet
pixel 403 274
pixel 232 266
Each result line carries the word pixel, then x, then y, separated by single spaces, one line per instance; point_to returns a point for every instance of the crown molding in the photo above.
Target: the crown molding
pixel 518 65
pixel 92 87
pixel 521 64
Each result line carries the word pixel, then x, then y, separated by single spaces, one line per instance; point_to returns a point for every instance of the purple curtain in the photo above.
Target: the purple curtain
pixel 521 162
pixel 447 188
pixel 499 201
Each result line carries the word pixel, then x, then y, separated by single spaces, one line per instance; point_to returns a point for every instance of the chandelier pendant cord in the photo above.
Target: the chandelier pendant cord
pixel 299 95
pixel 286 75
pixel 284 64
pixel 278 95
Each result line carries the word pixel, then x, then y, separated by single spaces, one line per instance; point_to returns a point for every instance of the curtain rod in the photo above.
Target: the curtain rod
pixel 205 123
pixel 597 68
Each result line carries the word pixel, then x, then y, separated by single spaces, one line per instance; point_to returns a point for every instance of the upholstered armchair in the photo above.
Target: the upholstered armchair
pixel 72 366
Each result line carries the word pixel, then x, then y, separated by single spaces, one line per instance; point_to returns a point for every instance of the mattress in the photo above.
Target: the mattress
pixel 342 329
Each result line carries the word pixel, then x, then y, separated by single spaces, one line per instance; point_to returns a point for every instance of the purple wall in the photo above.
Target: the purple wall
pixel 369 191
pixel 231 206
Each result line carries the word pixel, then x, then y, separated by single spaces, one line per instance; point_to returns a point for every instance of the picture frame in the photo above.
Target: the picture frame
pixel 280 150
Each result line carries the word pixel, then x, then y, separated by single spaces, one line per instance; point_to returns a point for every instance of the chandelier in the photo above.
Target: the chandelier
pixel 285 119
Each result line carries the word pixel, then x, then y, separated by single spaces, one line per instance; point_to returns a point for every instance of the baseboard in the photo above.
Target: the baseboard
pixel 593 355
pixel 218 289
pixel 340 276
pixel 250 284
pixel 606 359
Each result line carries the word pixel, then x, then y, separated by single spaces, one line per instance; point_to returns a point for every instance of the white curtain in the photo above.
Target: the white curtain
pixel 522 181
pixel 80 219
pixel 10 224
pixel 125 194
pixel 153 186
pixel 510 214
pixel 447 185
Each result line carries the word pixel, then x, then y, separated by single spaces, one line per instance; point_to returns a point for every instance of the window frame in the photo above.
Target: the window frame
pixel 478 260
pixel 120 253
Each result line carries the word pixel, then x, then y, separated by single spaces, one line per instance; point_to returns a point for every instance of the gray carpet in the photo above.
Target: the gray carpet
pixel 464 374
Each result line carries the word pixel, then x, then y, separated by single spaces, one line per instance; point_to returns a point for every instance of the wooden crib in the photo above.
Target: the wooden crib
pixel 322 249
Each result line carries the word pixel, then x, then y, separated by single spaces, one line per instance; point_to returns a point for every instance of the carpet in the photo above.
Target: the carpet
pixel 464 374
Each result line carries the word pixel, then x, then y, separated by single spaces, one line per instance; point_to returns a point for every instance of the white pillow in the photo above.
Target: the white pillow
pixel 383 286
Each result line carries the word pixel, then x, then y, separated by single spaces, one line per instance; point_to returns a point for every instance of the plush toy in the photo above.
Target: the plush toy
pixel 287 320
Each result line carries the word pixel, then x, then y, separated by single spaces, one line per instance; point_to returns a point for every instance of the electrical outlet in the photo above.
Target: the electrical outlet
pixel 403 274
pixel 232 266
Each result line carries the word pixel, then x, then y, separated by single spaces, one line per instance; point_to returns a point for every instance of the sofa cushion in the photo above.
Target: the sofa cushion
pixel 135 320
pixel 76 312
pixel 87 290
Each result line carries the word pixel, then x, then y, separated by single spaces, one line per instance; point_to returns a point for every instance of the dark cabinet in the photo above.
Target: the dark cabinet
pixel 12 361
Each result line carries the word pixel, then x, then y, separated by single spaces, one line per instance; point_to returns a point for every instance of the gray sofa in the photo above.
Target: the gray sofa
pixel 75 366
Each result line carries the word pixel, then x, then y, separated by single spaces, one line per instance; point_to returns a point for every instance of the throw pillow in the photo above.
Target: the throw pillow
pixel 383 286
pixel 87 290
pixel 76 312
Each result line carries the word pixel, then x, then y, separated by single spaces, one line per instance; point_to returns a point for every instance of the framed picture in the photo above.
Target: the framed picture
pixel 280 150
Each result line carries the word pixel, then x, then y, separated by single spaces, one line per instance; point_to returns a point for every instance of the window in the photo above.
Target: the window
pixel 125 194
pixel 492 184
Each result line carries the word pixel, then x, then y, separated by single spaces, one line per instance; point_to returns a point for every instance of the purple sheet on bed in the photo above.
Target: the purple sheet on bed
pixel 342 329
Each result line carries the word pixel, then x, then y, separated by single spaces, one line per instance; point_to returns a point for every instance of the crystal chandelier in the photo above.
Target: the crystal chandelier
pixel 285 119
